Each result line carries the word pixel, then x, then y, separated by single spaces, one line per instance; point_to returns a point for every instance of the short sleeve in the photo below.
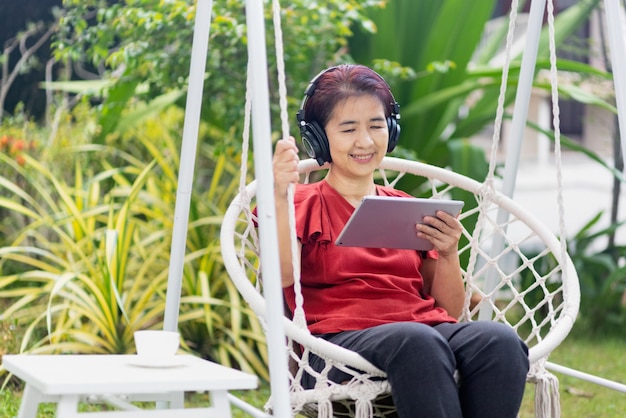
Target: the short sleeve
pixel 312 220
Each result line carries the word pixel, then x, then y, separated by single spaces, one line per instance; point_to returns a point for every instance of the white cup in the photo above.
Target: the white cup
pixel 156 344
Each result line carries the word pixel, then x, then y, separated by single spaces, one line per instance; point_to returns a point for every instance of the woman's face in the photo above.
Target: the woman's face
pixel 357 135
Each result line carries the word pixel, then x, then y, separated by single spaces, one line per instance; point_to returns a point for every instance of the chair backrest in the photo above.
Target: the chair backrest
pixel 515 269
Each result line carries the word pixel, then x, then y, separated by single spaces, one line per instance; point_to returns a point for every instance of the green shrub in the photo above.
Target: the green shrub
pixel 87 265
pixel 602 276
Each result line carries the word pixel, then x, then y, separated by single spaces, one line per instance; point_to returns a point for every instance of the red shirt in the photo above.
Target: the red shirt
pixel 352 288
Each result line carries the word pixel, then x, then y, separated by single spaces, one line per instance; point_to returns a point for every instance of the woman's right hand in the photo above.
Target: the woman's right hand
pixel 285 165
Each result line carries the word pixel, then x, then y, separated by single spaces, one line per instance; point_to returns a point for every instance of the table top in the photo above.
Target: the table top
pixel 118 374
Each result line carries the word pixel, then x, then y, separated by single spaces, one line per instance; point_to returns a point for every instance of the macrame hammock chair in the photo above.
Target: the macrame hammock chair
pixel 535 292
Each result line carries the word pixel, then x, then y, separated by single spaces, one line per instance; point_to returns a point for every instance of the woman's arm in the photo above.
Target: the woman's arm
pixel 442 277
pixel 285 167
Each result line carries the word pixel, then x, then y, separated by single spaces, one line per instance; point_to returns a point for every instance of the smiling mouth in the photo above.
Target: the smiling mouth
pixel 361 157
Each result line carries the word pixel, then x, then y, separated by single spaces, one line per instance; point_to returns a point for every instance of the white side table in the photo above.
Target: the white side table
pixel 117 380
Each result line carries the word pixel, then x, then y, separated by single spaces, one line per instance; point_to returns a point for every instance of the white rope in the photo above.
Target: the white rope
pixel 495 141
pixel 554 83
pixel 547 403
pixel 280 66
pixel 243 172
pixel 489 186
pixel 244 202
pixel 298 315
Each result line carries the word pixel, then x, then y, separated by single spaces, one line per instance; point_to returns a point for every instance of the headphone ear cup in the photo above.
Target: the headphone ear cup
pixel 394 133
pixel 315 142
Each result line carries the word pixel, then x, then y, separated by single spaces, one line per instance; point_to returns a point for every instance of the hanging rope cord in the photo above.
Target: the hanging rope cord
pixel 299 318
pixel 298 315
pixel 488 189
pixel 489 184
pixel 547 383
pixel 554 83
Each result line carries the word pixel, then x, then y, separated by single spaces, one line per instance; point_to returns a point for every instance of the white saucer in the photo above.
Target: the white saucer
pixel 157 362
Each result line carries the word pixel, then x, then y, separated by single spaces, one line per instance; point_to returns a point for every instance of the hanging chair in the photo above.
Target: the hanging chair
pixel 535 291
pixel 514 268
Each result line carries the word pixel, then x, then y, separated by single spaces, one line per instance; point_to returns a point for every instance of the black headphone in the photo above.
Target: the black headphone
pixel 314 136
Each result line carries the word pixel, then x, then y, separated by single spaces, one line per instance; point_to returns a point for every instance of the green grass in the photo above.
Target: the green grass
pixel 602 357
pixel 579 399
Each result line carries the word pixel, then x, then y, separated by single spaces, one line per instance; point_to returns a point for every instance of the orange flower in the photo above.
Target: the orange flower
pixel 20 159
pixel 17 145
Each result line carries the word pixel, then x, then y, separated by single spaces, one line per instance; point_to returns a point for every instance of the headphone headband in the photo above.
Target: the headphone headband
pixel 310 89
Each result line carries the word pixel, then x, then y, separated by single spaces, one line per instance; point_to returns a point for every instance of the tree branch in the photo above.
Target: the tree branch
pixel 8 78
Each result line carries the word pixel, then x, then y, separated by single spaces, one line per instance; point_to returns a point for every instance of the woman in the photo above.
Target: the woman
pixel 396 308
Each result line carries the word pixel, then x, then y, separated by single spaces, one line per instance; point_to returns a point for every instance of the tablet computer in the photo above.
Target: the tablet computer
pixel 389 222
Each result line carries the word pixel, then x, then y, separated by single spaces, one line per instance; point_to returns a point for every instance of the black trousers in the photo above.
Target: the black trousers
pixel 421 360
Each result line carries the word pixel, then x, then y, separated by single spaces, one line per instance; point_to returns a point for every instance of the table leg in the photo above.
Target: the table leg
pixel 177 400
pixel 219 401
pixel 172 400
pixel 30 402
pixel 68 406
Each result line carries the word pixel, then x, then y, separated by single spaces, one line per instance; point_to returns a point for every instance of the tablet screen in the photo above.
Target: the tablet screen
pixel 389 222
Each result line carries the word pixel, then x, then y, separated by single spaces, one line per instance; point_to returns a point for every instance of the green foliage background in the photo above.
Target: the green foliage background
pixel 87 211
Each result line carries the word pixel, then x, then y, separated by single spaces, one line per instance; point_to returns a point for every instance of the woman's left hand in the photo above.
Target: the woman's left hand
pixel 443 231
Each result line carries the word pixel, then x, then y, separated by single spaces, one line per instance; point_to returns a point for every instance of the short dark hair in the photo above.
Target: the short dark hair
pixel 340 82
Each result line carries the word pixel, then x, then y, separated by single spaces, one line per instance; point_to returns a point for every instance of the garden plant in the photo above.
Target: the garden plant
pixel 87 191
